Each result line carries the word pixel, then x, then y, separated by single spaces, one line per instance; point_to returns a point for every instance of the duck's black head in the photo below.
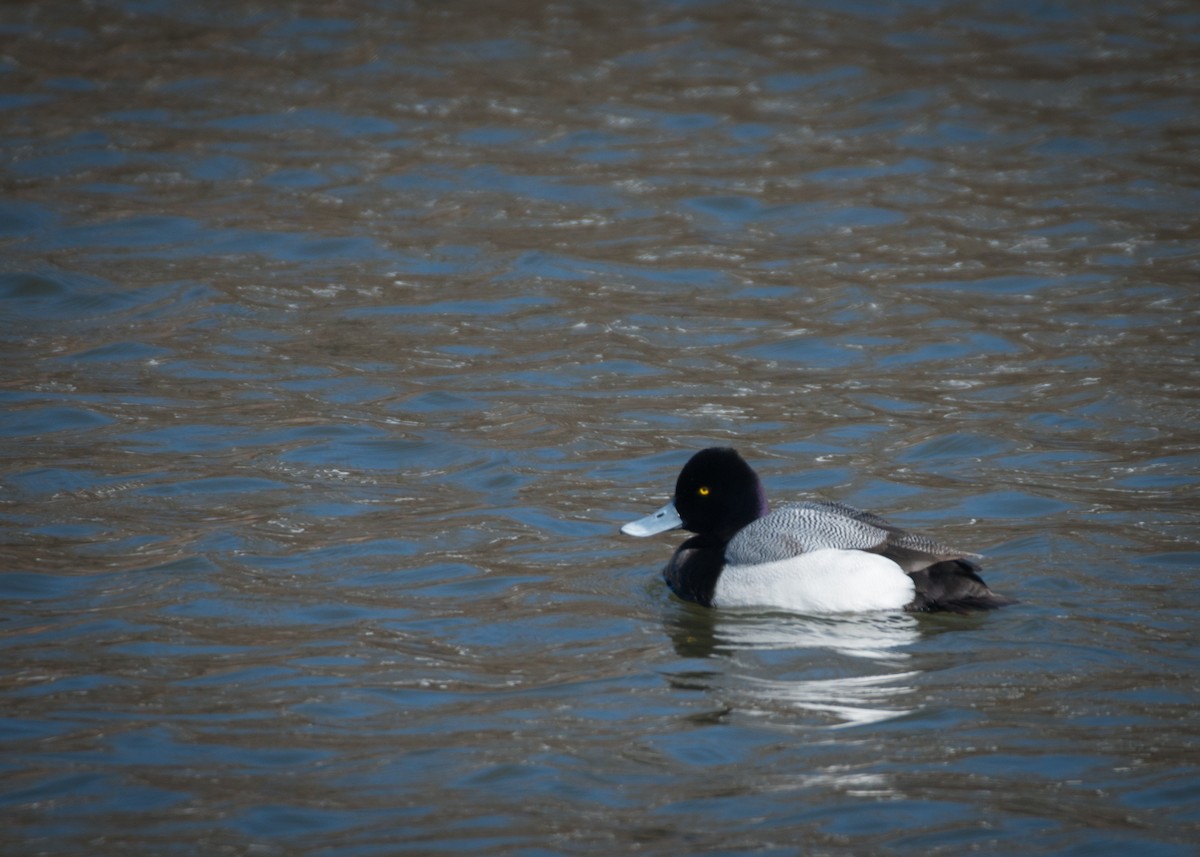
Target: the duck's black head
pixel 718 493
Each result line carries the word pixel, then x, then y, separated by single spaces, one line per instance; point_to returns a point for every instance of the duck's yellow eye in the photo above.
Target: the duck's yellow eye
pixel 703 490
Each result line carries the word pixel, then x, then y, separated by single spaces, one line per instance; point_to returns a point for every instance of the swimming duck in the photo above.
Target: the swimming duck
pixel 807 557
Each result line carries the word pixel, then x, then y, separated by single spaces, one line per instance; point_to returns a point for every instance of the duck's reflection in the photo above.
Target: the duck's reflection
pixel 847 669
pixel 848 701
pixel 699 632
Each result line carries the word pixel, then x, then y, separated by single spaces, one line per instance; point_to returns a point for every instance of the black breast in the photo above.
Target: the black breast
pixel 694 568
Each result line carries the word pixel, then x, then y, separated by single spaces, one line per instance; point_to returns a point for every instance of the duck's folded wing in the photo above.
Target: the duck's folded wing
pixel 911 551
pixel 801 528
pixel 804 527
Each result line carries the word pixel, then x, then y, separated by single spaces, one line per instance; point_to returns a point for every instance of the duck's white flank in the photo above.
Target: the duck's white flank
pixel 824 581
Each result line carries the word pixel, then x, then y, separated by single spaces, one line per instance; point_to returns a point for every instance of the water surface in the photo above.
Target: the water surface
pixel 338 341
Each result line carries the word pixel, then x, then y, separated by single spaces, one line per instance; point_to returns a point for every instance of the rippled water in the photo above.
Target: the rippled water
pixel 339 339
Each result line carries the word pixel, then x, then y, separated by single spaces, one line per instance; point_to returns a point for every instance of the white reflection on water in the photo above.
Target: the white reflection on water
pixel 816 646
pixel 875 636
pixel 852 700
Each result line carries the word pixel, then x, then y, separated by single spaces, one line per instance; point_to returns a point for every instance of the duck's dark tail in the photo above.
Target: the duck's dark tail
pixel 953 585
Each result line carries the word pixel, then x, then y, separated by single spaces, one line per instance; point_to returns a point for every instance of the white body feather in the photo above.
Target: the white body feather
pixel 823 581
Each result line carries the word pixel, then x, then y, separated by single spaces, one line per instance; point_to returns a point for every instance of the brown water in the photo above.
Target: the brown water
pixel 339 339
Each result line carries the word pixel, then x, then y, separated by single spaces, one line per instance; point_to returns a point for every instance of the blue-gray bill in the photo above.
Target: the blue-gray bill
pixel 664 519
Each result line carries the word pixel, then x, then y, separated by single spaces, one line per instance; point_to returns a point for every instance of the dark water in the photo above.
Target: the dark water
pixel 338 340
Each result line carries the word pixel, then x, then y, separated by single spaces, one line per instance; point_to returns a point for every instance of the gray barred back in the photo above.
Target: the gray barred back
pixel 803 527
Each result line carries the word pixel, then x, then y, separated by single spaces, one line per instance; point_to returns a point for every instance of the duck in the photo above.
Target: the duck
pixel 812 556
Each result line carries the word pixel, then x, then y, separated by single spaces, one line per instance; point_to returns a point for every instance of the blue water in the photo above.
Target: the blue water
pixel 338 341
